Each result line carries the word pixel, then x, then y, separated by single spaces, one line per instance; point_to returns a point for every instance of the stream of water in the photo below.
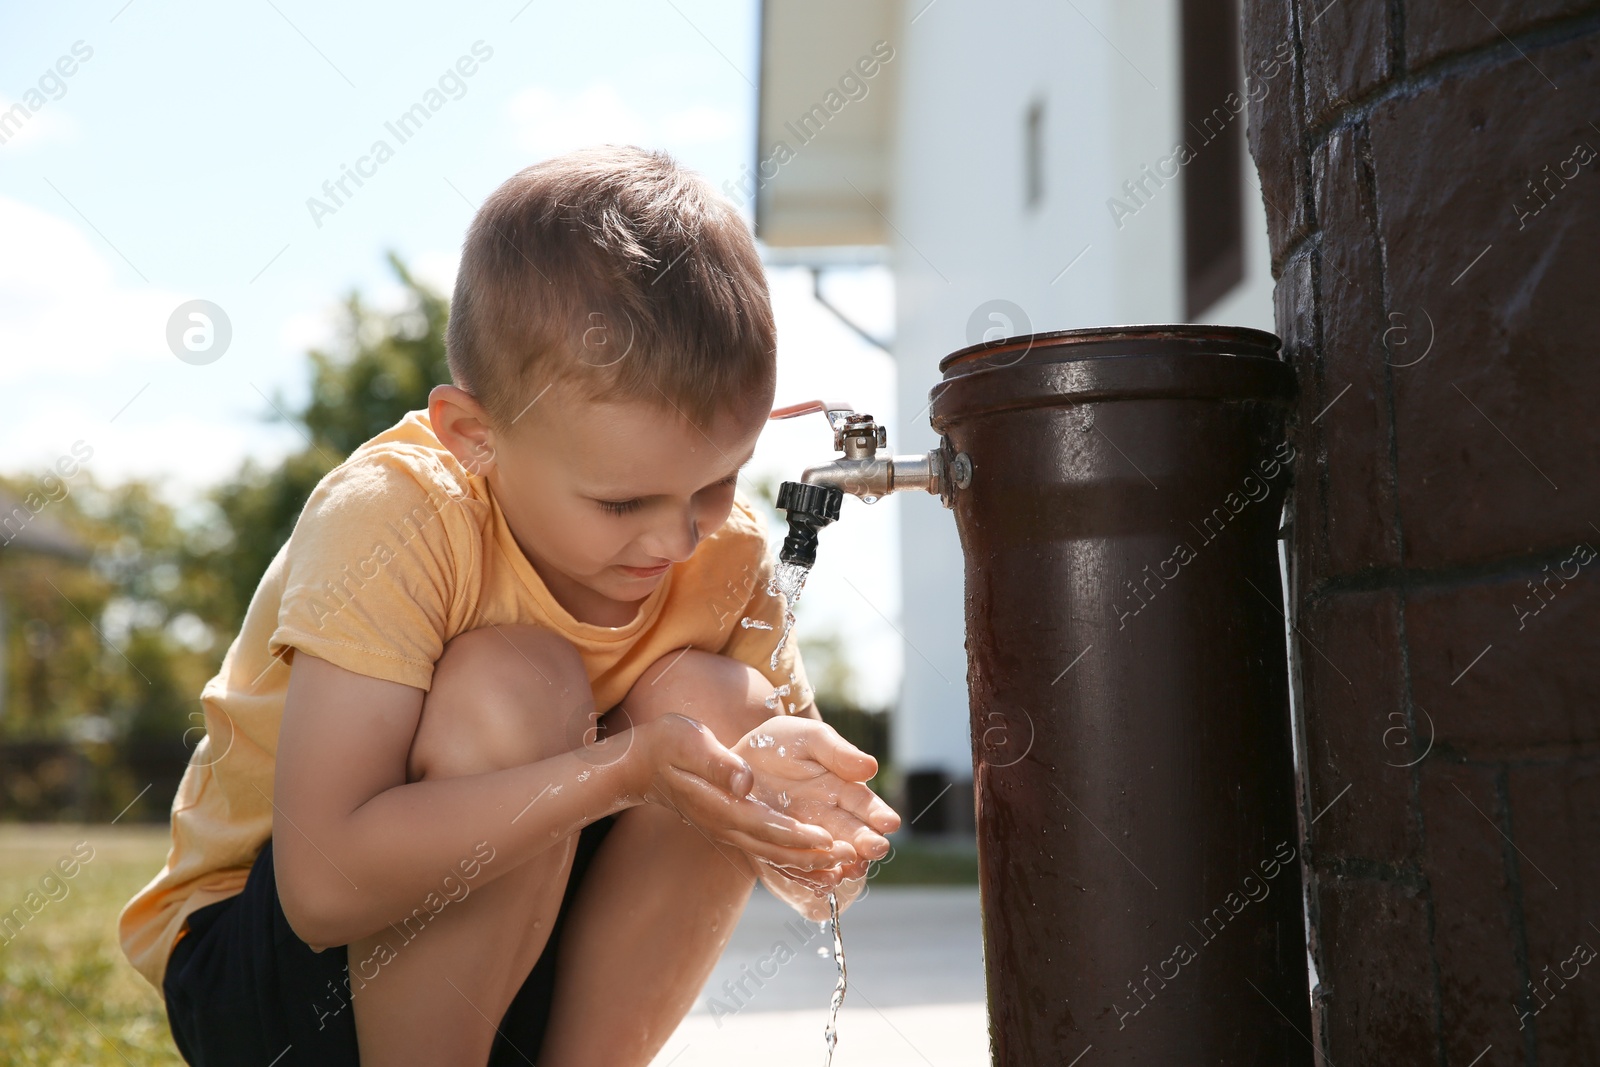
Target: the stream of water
pixel 831 1034
pixel 788 579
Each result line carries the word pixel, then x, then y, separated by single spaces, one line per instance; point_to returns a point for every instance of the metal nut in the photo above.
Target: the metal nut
pixel 961 470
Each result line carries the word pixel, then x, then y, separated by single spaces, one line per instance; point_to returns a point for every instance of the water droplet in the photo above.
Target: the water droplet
pixel 755 624
pixel 763 740
pixel 869 499
pixel 781 751
pixel 822 952
pixel 583 776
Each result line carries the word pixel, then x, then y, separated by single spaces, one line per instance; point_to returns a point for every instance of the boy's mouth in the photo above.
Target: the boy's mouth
pixel 643 572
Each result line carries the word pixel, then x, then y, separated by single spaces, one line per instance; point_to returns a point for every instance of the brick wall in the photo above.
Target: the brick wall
pixel 1441 312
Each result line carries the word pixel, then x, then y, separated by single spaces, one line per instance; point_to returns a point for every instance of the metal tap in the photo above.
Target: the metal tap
pixel 861 471
pixel 814 500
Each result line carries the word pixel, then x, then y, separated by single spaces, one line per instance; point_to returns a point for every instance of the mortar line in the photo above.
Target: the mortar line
pixel 1560 31
pixel 1513 44
pixel 1505 835
pixel 1519 929
pixel 1367 168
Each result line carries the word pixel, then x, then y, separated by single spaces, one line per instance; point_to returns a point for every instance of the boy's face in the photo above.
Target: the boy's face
pixel 604 496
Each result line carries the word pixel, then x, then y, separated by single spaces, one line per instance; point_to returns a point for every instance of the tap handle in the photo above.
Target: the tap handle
pixel 836 410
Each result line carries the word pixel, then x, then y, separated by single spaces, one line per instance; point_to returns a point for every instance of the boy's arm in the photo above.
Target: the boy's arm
pixel 357 847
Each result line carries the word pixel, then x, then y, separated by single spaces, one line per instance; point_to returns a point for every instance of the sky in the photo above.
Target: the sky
pixel 171 152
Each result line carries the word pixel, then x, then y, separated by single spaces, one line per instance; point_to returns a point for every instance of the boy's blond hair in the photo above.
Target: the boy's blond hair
pixel 618 271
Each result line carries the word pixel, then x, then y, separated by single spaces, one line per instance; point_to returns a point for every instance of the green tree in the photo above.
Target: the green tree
pixel 110 640
pixel 108 647
pixel 382 366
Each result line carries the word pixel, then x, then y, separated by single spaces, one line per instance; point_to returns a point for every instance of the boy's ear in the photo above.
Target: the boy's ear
pixel 462 426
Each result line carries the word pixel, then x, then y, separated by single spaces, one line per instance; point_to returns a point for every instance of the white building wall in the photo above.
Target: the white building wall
pixel 1108 74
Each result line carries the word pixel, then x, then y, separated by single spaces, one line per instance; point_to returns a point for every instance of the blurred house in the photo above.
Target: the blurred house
pixel 26 529
pixel 1019 167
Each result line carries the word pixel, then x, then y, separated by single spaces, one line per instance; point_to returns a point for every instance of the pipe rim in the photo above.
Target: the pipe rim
pixel 1110 363
pixel 1234 340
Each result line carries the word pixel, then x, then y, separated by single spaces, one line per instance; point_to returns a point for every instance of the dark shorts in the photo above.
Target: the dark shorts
pixel 242 988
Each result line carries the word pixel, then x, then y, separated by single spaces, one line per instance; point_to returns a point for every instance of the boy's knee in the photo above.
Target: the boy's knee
pixel 721 692
pixel 501 696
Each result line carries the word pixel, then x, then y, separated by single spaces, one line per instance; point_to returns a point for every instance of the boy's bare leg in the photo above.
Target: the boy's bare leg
pixel 660 900
pixel 500 697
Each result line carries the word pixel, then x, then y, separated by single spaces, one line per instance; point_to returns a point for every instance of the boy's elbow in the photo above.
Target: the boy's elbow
pixel 310 907
pixel 308 923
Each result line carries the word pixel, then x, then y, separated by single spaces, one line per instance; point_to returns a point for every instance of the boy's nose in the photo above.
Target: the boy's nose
pixel 676 541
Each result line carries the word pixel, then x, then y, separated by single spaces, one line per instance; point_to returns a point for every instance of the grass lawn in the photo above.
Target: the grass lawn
pixel 927 861
pixel 67 994
pixel 69 997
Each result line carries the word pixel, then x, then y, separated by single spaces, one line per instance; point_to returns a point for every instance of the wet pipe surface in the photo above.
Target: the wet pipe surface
pixel 1128 689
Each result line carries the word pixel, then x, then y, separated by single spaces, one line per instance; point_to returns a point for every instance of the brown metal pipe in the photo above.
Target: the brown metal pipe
pixel 1117 493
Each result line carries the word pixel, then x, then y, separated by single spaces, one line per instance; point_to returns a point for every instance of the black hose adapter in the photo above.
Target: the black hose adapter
pixel 810 508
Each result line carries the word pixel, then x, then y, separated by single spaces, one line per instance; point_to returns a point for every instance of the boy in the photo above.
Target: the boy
pixel 408 834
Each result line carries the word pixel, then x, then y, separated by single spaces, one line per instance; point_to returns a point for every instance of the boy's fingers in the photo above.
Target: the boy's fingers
pixel 753 818
pixel 734 775
pixel 841 757
pixel 713 761
pixel 816 881
pixel 865 842
pixel 810 861
pixel 726 771
pixel 870 808
pixel 870 846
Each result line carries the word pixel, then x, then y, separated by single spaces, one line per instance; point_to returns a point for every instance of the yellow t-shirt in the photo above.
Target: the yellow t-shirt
pixel 397 550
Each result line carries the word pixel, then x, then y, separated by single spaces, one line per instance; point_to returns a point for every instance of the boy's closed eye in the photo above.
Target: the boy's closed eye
pixel 623 507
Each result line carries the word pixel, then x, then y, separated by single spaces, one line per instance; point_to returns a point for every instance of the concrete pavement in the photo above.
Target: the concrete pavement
pixel 915 961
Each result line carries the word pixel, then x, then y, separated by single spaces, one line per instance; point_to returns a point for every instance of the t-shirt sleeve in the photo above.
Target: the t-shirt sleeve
pixel 754 644
pixel 376 568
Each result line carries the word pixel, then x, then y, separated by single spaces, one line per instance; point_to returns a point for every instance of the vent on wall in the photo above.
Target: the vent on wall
pixel 1213 193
